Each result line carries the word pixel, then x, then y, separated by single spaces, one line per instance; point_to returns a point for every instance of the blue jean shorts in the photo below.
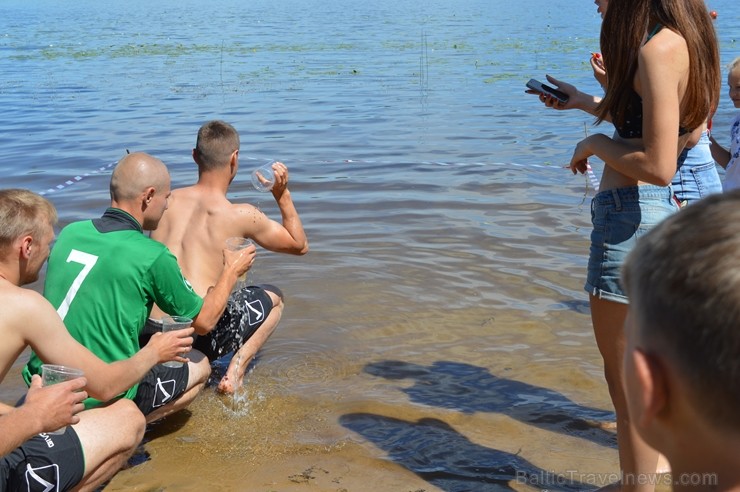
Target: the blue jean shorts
pixel 619 217
pixel 697 174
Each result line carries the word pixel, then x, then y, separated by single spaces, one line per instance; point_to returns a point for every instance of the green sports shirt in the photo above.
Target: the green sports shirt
pixel 103 278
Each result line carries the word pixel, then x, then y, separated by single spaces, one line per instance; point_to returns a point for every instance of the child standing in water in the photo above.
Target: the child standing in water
pixel 730 159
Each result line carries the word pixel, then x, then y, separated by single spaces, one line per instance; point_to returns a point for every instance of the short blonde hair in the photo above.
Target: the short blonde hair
pixel 23 212
pixel 733 64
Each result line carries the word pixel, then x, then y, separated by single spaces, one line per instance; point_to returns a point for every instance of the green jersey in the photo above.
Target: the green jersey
pixel 103 277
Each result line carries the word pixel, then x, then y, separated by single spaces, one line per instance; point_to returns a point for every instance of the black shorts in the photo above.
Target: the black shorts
pixel 160 386
pixel 245 312
pixel 44 462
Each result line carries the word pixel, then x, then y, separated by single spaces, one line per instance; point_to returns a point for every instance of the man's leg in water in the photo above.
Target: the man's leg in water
pixel 242 357
pixel 200 369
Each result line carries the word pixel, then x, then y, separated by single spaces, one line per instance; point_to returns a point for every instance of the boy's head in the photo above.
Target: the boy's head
pixel 683 327
pixel 216 146
pixel 733 81
pixel 26 230
pixel 23 212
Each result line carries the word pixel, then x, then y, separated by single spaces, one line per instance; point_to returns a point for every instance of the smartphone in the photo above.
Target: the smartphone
pixel 538 86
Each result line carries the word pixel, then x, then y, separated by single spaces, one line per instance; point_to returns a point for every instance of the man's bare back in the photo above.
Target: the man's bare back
pixel 195 228
pixel 199 218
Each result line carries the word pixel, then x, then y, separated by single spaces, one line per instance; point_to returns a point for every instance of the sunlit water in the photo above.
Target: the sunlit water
pixel 437 336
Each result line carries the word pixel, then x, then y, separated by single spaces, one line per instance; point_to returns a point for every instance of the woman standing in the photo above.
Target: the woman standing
pixel 664 78
pixel 696 175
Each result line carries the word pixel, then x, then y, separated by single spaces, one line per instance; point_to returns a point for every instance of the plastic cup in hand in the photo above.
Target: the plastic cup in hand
pixel 53 374
pixel 238 244
pixel 172 323
pixel 263 178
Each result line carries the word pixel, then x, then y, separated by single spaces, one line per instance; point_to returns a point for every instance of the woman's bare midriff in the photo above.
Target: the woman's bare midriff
pixel 612 179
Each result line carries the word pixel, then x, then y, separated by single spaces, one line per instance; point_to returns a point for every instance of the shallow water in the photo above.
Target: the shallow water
pixel 437 335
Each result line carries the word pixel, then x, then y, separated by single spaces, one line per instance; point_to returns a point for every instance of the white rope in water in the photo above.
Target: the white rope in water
pixel 76 179
pixel 589 171
pixel 592 177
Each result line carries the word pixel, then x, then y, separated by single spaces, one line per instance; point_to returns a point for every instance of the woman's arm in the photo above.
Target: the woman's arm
pixel 597 65
pixel 662 67
pixel 576 99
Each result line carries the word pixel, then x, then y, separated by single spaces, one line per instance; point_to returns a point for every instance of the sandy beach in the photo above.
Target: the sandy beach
pixel 437 336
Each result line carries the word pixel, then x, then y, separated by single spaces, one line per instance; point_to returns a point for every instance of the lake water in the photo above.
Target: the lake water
pixel 437 336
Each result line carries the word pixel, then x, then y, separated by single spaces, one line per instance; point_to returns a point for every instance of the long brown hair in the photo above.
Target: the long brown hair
pixel 622 34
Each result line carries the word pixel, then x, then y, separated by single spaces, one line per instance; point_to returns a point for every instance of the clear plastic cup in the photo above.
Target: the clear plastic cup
pixel 263 178
pixel 238 244
pixel 53 374
pixel 171 323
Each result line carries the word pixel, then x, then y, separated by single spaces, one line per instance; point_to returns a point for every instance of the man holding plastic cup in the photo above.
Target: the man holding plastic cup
pixel 201 219
pixel 105 274
pixel 99 441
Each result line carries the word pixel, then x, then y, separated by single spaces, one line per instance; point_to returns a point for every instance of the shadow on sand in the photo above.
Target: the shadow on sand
pixel 439 454
pixel 468 389
pixel 447 459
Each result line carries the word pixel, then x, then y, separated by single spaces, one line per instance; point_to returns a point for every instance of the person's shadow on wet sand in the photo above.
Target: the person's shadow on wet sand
pixel 439 454
pixel 468 389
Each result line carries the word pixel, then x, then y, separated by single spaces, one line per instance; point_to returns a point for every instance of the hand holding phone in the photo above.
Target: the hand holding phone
pixel 541 88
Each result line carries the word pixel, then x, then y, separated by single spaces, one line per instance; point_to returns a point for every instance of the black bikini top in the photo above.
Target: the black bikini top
pixel 632 125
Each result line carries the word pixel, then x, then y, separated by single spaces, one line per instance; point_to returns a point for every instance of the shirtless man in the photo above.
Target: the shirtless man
pixel 195 228
pixel 99 441
pixel 104 276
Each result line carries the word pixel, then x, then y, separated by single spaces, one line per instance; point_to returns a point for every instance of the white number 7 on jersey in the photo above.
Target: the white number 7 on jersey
pixel 88 261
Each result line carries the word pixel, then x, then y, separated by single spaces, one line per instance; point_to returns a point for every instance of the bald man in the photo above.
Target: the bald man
pixel 104 276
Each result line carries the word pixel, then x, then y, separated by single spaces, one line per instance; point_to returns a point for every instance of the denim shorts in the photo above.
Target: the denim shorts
pixel 619 217
pixel 697 174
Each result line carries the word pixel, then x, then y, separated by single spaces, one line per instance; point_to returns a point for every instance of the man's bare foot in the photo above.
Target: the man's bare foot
pixel 234 376
pixel 227 385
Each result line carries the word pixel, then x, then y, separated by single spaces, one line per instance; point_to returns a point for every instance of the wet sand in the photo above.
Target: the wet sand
pixel 436 336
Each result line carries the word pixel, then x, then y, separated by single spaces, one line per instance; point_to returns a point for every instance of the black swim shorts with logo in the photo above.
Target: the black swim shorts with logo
pixel 44 462
pixel 245 312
